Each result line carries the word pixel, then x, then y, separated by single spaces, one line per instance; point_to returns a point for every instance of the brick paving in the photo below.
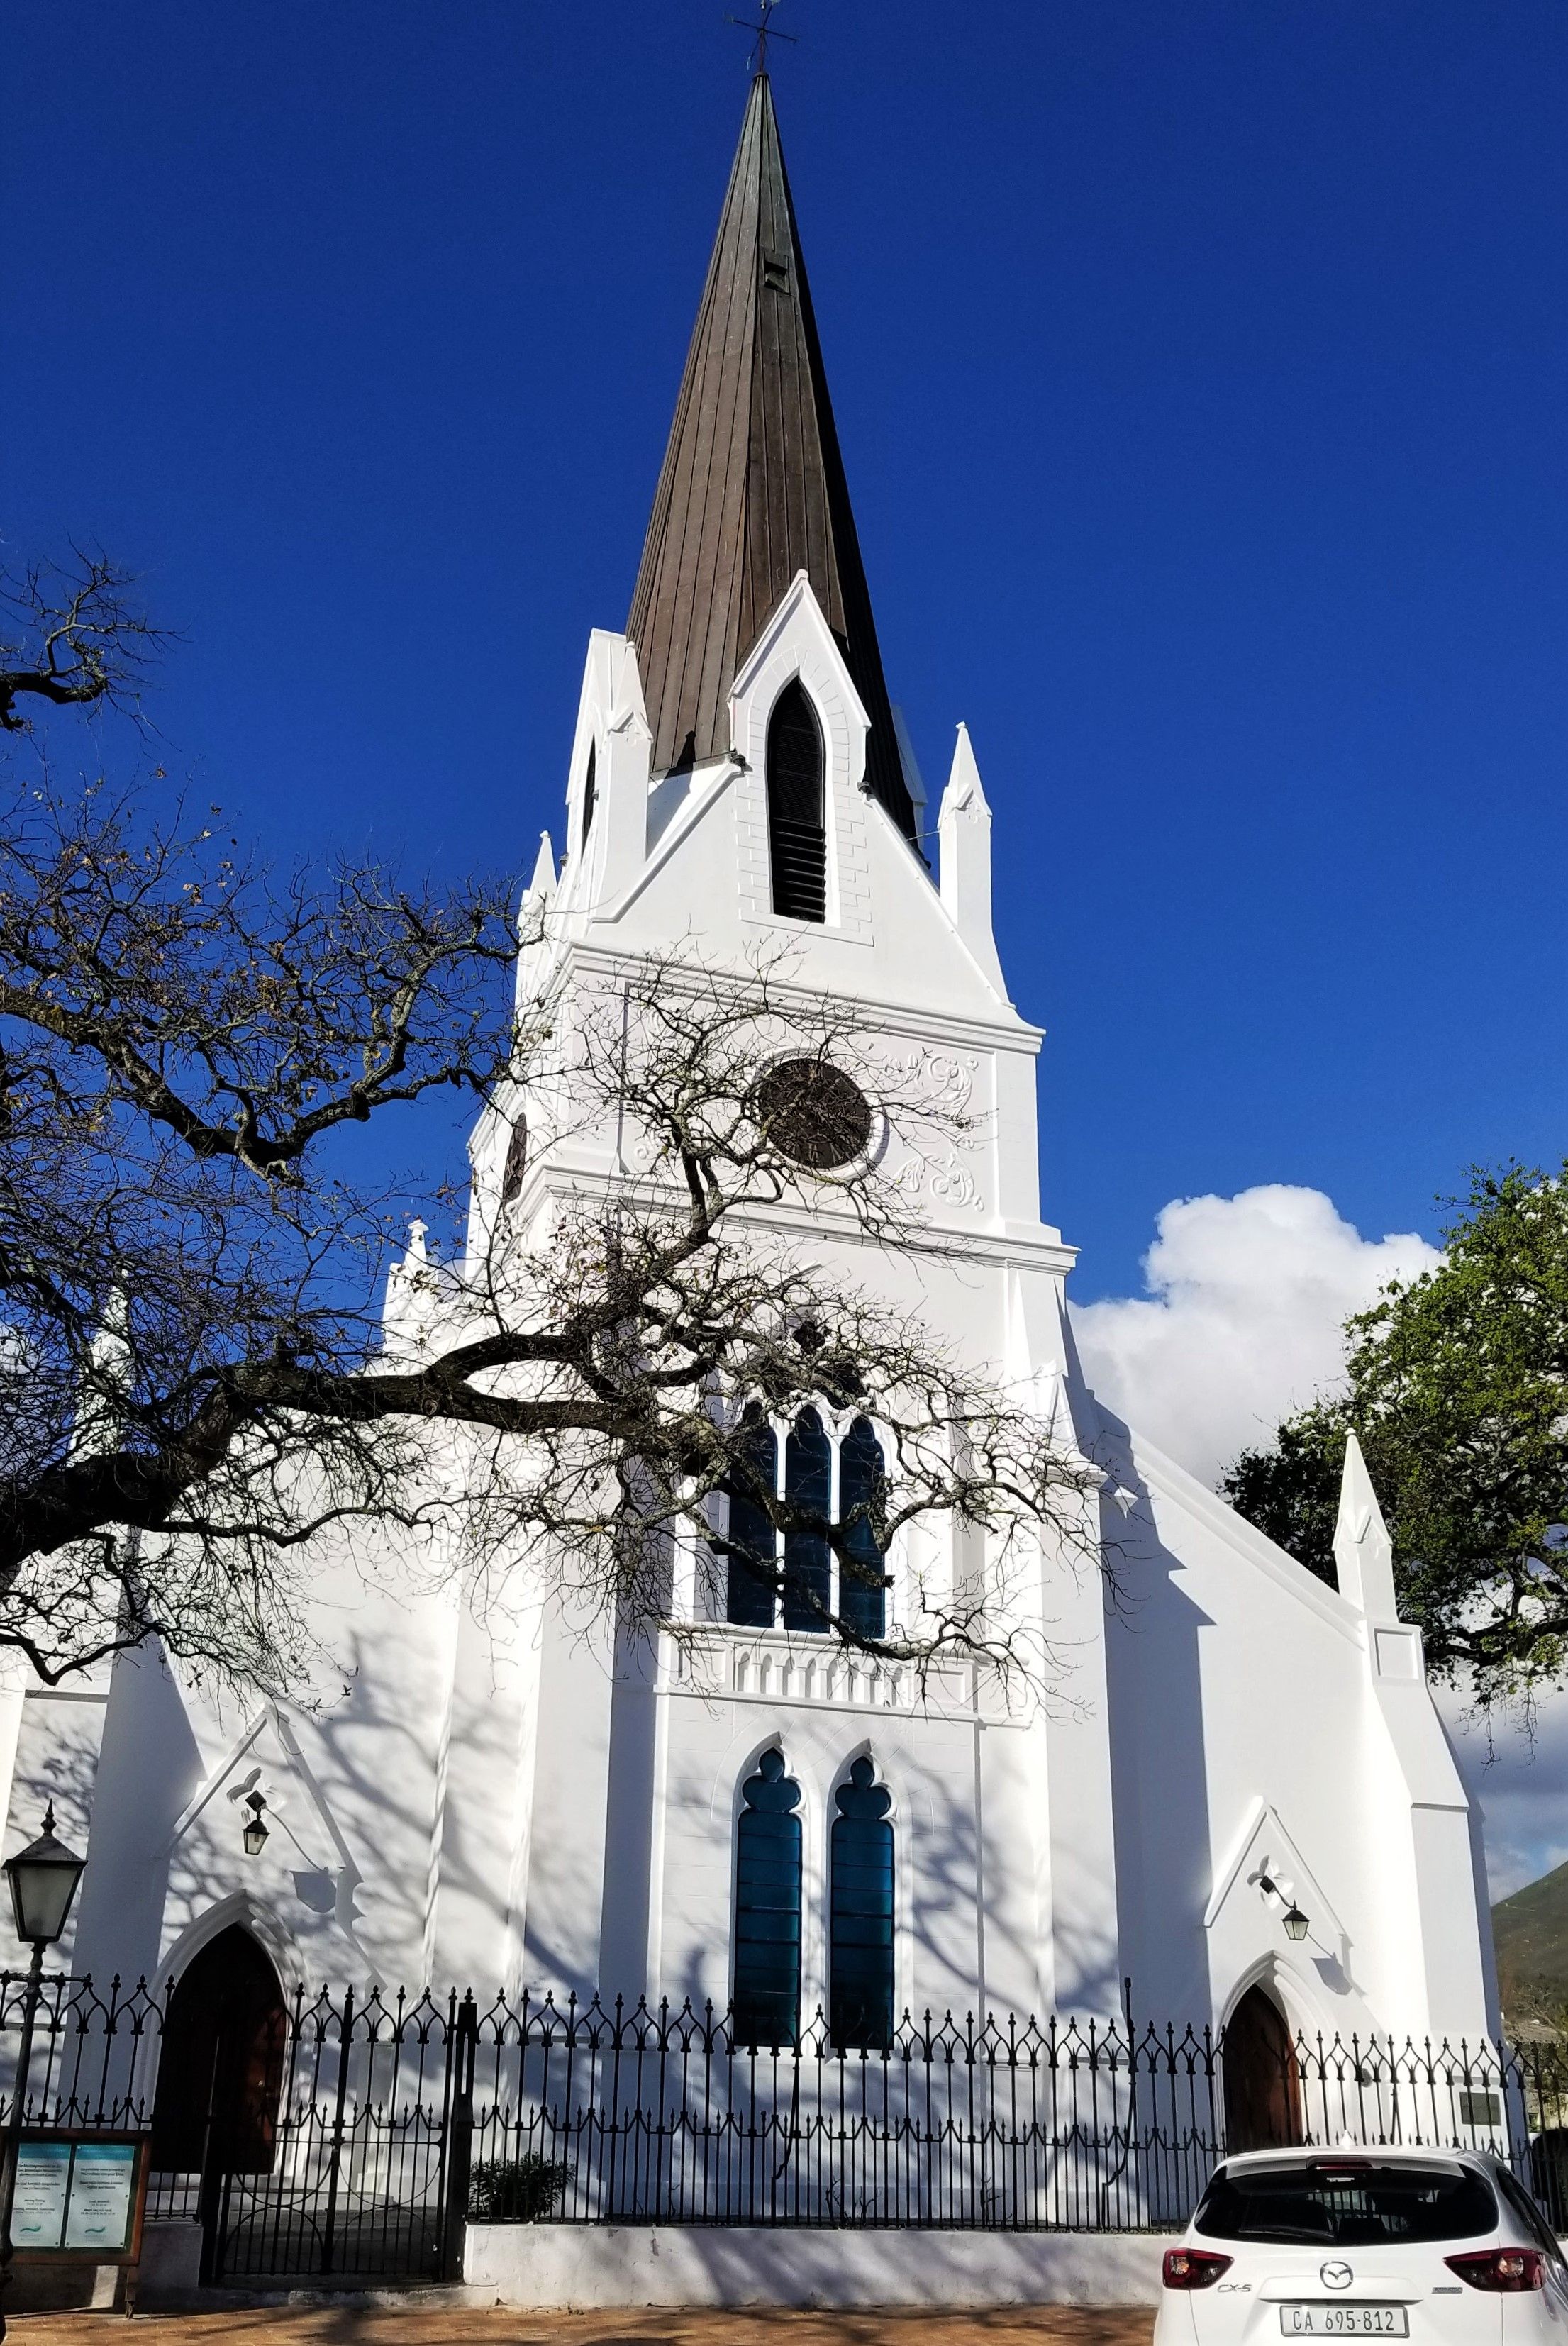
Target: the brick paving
pixel 438 2325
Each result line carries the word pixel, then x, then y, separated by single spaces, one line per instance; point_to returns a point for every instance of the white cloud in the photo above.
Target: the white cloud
pixel 1243 1320
pixel 1519 1773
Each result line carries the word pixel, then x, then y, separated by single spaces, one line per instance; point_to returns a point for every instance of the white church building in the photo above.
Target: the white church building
pixel 1241 1797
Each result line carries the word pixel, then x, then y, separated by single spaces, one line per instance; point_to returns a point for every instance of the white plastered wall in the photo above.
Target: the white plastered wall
pixel 537 1808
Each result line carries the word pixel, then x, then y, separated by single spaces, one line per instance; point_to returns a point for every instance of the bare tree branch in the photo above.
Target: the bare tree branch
pixel 71 636
pixel 198 1383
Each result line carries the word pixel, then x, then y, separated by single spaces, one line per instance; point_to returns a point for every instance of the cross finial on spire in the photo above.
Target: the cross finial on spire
pixel 763 32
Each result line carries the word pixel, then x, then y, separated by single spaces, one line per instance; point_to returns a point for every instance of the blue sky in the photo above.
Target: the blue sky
pixel 1200 370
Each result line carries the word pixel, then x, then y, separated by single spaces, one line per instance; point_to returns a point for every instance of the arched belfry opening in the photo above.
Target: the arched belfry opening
pixel 1262 2080
pixel 590 793
pixel 220 2067
pixel 796 831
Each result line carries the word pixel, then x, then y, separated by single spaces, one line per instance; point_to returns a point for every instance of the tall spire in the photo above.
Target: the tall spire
pixel 752 488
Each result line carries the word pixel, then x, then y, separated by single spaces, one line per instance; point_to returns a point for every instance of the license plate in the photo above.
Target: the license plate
pixel 1344 2320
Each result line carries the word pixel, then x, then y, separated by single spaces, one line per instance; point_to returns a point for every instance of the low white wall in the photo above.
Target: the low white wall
pixel 543 2265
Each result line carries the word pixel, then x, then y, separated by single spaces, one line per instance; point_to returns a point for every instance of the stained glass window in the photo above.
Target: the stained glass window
pixel 766 2008
pixel 862 1476
pixel 751 1534
pixel 807 1560
pixel 860 1953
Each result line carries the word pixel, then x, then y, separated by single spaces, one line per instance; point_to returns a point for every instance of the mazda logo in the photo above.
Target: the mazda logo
pixel 1336 2276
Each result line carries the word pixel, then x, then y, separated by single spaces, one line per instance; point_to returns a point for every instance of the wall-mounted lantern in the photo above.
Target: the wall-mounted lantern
pixel 1296 1925
pixel 255 1833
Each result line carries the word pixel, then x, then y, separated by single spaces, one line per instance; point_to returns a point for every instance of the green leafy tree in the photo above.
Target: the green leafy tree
pixel 1458 1389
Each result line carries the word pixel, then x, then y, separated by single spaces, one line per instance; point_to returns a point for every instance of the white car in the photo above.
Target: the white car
pixel 1434 2245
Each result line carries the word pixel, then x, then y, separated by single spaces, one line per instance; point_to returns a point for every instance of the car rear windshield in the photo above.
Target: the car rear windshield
pixel 1350 2205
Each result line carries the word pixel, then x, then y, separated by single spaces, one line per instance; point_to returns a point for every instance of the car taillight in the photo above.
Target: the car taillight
pixel 1507 2269
pixel 1193 2268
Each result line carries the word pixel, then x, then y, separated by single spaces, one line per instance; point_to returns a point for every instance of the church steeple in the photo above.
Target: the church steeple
pixel 752 489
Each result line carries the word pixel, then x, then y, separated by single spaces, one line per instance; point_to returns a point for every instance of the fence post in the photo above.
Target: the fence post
pixel 460 2142
pixel 335 2155
pixel 210 2198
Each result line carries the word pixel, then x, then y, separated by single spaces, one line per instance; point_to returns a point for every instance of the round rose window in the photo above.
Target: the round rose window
pixel 813 1114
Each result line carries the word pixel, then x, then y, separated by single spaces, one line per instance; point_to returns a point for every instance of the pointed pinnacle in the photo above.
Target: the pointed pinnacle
pixel 543 884
pixel 1363 1552
pixel 964 788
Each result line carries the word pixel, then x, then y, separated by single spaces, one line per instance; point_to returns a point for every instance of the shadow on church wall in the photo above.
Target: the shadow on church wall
pixel 1158 1763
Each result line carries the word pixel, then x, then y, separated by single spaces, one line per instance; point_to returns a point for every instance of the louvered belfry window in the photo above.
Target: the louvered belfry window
pixel 589 792
pixel 796 837
pixel 516 1161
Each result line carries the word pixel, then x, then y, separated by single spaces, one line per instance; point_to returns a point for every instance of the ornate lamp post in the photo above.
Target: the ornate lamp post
pixel 43 1880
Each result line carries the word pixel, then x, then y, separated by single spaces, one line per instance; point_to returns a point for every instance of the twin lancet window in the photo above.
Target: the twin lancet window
pixel 767 2004
pixel 757 1600
pixel 796 832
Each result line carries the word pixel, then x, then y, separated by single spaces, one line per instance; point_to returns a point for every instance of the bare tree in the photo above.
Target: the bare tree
pixel 71 636
pixel 197 1381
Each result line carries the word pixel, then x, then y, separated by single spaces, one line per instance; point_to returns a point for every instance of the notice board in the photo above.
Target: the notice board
pixel 80 2196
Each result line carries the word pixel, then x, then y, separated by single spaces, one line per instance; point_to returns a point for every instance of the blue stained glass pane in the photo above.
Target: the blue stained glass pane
pixel 861 1959
pixel 862 1602
pixel 807 1563
pixel 767 2009
pixel 750 1598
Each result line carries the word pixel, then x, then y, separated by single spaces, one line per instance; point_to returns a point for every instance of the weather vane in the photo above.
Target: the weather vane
pixel 763 32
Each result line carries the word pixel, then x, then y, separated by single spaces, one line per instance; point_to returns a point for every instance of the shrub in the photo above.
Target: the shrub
pixel 515 2190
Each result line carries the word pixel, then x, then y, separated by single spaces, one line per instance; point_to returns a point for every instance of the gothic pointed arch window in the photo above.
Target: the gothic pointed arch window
pixel 797 830
pixel 808 1561
pixel 753 1542
pixel 861 1914
pixel 589 795
pixel 862 1477
pixel 767 2002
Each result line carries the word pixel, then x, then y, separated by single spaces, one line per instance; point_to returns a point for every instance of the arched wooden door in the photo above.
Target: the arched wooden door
pixel 220 2070
pixel 1262 2083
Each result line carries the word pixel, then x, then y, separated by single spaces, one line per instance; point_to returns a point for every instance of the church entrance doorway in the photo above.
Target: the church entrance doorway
pixel 333 2139
pixel 1262 2082
pixel 220 2071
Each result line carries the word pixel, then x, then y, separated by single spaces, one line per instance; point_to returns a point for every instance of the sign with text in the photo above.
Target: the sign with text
pixel 80 2197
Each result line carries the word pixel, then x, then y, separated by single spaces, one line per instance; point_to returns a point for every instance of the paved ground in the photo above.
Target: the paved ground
pixel 439 2326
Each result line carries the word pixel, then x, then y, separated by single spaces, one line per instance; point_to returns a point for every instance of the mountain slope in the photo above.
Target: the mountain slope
pixel 1530 1931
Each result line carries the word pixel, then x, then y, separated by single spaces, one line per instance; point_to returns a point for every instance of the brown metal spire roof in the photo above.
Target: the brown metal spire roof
pixel 752 488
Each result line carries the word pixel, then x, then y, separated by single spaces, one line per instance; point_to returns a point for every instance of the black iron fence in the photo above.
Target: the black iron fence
pixel 596 2114
pixel 326 2138
pixel 369 2128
